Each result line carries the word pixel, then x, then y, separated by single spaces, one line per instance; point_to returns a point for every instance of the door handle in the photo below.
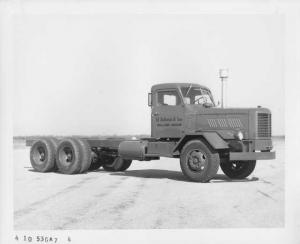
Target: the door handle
pixel 156 113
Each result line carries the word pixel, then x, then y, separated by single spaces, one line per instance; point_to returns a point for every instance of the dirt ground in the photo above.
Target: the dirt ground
pixel 148 195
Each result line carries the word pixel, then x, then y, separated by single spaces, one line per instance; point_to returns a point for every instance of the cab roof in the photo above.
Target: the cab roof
pixel 176 85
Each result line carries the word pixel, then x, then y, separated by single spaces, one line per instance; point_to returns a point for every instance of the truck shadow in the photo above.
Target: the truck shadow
pixel 153 174
pixel 220 178
pixel 160 174
pixel 35 171
pixel 173 175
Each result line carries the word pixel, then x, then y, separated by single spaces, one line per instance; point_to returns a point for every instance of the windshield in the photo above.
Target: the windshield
pixel 197 96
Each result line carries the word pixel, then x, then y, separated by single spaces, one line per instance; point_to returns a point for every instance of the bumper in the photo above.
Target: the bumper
pixel 251 155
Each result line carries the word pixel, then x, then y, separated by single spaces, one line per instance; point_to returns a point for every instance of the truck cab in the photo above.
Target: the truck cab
pixel 185 112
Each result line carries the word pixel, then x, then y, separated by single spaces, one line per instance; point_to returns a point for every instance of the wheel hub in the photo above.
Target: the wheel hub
pixel 236 166
pixel 68 154
pixel 41 154
pixel 196 160
pixel 69 157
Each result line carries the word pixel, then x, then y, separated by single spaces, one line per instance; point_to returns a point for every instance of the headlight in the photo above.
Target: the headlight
pixel 239 135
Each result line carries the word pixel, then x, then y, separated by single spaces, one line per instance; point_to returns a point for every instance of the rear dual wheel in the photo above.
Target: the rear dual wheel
pixel 42 155
pixel 69 156
pixel 73 156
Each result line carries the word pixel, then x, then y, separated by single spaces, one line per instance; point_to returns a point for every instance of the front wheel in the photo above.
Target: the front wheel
pixel 198 162
pixel 238 169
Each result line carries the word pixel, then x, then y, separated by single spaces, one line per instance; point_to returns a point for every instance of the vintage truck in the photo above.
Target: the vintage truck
pixel 185 124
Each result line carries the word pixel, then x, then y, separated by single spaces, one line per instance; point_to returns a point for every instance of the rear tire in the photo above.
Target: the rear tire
pixel 238 169
pixel 69 156
pixel 86 155
pixel 42 155
pixel 198 161
pixel 55 142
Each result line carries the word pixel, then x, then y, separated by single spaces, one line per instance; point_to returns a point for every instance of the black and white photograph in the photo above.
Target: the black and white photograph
pixel 152 121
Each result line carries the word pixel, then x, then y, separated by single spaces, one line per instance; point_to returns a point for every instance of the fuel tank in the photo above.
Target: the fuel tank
pixel 133 149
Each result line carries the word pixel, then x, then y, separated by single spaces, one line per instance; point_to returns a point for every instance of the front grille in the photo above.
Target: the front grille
pixel 264 126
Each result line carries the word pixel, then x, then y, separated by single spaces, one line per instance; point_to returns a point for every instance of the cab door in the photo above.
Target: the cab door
pixel 167 116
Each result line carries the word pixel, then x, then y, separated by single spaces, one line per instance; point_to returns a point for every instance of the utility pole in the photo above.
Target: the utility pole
pixel 223 74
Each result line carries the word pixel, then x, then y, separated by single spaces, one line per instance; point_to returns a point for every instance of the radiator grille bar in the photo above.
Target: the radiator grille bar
pixel 264 125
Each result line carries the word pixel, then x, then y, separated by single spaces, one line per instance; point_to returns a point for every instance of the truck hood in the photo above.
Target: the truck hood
pixel 196 109
pixel 225 121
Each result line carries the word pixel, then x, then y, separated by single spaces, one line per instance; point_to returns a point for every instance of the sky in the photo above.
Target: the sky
pixel 90 74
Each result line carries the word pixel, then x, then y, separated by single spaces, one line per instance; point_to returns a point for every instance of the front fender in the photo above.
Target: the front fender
pixel 215 140
pixel 212 138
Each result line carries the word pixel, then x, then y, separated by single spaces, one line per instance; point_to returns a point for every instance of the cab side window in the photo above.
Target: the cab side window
pixel 168 98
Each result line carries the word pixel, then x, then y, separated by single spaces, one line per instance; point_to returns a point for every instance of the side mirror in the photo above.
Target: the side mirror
pixel 149 99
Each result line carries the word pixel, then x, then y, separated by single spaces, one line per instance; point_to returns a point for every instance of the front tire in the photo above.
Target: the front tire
pixel 238 169
pixel 198 161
